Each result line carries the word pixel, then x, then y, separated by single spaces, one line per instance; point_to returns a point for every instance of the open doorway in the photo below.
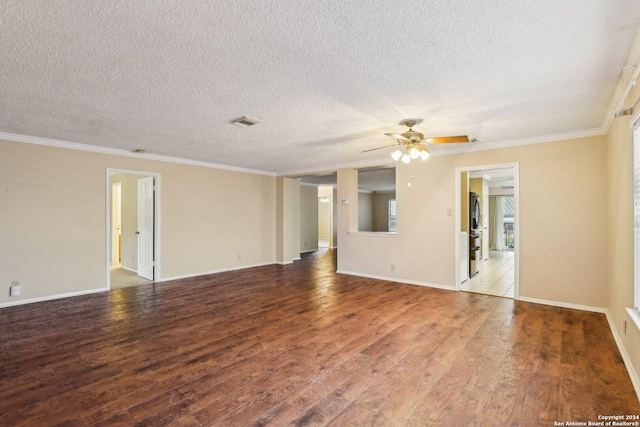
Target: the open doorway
pixel 487 230
pixel 318 212
pixel 133 228
pixel 325 216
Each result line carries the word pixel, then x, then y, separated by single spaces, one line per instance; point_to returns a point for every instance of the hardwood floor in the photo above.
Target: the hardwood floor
pixel 301 345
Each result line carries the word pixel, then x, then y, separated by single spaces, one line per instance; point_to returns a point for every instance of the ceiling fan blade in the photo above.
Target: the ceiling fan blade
pixel 447 139
pixel 379 148
pixel 397 136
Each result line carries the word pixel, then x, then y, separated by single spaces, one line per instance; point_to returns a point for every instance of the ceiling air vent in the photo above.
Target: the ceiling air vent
pixel 245 121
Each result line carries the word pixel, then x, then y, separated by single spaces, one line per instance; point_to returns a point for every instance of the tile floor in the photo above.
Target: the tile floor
pixel 495 276
pixel 121 278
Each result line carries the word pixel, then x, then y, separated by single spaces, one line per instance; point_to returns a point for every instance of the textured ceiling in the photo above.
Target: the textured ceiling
pixel 327 78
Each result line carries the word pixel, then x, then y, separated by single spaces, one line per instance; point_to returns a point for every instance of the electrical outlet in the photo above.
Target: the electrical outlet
pixel 449 212
pixel 393 267
pixel 239 257
pixel 15 289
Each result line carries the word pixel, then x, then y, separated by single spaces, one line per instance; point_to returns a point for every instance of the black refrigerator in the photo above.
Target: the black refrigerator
pixel 474 233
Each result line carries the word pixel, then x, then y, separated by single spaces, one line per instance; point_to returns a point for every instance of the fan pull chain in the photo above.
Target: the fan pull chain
pixel 410 173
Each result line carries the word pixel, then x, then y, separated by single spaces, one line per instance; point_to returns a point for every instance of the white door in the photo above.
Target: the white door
pixel 145 227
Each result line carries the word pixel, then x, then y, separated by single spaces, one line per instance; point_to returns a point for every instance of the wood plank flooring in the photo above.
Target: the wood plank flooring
pixel 300 345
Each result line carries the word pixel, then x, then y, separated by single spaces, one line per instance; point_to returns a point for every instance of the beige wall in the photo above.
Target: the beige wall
pixel 287 220
pixel 562 226
pixel 308 218
pixel 620 230
pixel 334 221
pixel 365 211
pixel 464 202
pixel 53 223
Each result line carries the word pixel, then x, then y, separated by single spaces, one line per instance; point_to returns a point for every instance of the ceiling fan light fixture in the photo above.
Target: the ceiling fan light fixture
pixel 412 143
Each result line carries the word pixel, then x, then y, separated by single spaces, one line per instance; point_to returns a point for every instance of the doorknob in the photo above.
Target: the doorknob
pixel 137 232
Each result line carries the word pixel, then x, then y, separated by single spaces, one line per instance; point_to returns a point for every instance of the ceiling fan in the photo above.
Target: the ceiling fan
pixel 413 142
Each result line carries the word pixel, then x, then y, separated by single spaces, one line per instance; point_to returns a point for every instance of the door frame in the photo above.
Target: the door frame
pixel 458 219
pixel 116 210
pixel 156 221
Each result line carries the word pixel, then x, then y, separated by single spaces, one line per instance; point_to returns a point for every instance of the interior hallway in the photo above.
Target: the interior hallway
pixel 123 278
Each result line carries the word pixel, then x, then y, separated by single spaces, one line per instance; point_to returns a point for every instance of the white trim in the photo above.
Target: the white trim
pixel 52 297
pixel 397 280
pixel 518 142
pixel 119 152
pixel 292 173
pixel 564 305
pixel 157 276
pixel 373 233
pixel 307 251
pixel 128 269
pixel 635 316
pixel 283 262
pixel 633 375
pixel 297 259
pixel 466 148
pixel 310 184
pixel 614 331
pixel 624 84
pixel 206 273
pixel 387 161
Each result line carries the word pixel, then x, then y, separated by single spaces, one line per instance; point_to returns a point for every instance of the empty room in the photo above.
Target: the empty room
pixel 320 213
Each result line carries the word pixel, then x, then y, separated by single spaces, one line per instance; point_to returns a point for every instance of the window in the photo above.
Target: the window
pixel 636 213
pixel 376 192
pixel 392 215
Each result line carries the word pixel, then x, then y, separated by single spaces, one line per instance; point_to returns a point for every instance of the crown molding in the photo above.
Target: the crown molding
pixel 624 83
pixel 454 150
pixel 331 169
pixel 522 141
pixel 124 153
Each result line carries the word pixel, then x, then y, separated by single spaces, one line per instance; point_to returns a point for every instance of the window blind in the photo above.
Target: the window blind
pixel 636 214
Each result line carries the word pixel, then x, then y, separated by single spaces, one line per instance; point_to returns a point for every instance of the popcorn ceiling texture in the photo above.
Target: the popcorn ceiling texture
pixel 327 78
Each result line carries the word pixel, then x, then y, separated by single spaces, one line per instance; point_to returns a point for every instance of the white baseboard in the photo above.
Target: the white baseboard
pixel 308 250
pixel 395 279
pixel 128 269
pixel 51 297
pixel 625 356
pixel 633 375
pixel 222 270
pixel 282 262
pixel 564 305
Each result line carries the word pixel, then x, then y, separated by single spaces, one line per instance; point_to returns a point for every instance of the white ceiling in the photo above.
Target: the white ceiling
pixel 327 78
